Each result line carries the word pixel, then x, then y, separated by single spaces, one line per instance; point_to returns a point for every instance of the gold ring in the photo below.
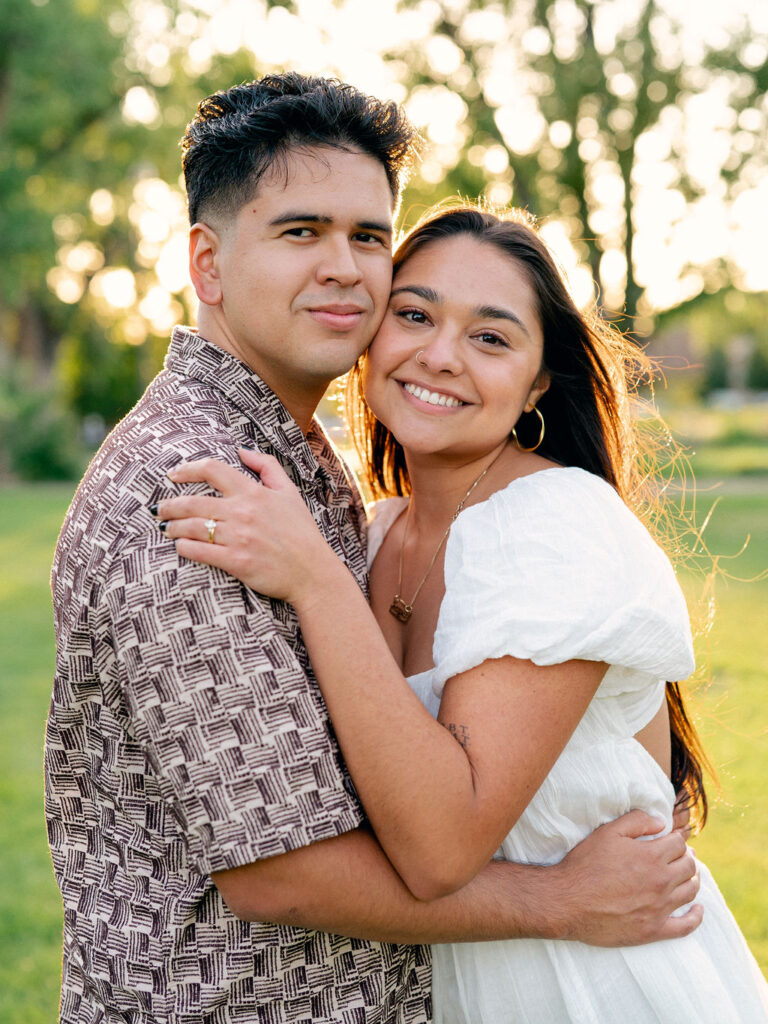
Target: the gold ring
pixel 210 525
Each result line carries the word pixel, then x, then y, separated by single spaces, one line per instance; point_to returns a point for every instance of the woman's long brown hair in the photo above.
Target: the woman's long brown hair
pixel 594 375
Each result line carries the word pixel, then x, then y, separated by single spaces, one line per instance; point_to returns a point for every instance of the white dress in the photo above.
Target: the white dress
pixel 555 567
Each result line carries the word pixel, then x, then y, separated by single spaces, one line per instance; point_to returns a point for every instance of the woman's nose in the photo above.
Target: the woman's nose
pixel 442 353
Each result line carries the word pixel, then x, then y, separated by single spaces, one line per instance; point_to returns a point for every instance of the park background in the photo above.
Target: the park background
pixel 635 130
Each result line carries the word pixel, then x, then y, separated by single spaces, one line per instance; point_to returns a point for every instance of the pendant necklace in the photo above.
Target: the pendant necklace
pixel 399 608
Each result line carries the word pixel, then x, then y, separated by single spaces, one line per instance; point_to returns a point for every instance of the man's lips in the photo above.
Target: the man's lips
pixel 339 317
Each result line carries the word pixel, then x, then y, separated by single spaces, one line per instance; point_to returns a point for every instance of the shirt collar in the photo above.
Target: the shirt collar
pixel 193 356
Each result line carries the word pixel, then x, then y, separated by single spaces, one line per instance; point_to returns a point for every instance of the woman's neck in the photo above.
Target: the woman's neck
pixel 438 485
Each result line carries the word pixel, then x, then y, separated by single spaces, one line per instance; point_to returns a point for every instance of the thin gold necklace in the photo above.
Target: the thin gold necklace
pixel 399 608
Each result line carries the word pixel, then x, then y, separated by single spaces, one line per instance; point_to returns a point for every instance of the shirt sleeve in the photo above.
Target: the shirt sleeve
pixel 556 567
pixel 233 726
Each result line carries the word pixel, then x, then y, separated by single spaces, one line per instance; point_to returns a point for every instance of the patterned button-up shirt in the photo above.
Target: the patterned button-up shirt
pixel 187 735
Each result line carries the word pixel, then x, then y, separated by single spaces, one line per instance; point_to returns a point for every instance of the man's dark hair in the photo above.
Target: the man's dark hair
pixel 238 135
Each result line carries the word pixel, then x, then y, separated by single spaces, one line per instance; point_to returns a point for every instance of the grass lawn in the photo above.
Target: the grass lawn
pixel 30 910
pixel 733 711
pixel 733 717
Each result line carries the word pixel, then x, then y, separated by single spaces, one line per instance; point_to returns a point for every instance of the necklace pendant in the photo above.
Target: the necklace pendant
pixel 400 609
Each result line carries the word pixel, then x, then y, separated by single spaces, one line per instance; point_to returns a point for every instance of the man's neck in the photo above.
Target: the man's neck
pixel 301 403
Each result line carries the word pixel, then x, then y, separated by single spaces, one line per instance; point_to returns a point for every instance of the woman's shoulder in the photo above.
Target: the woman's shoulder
pixel 565 521
pixel 554 501
pixel 556 488
pixel 556 566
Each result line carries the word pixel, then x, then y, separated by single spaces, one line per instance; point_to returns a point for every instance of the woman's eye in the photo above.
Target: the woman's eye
pixel 413 316
pixel 489 338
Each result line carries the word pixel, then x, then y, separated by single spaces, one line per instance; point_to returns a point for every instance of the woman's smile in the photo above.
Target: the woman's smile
pixel 432 399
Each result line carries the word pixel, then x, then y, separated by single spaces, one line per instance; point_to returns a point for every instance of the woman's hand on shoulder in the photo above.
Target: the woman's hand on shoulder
pixel 261 531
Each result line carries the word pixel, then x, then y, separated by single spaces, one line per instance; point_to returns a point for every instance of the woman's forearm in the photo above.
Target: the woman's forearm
pixel 415 780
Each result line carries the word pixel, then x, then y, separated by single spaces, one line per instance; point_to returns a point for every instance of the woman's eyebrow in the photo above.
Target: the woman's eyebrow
pixel 499 313
pixel 416 289
pixel 482 312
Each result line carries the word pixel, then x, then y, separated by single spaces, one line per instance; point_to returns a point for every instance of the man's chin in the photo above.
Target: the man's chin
pixel 333 364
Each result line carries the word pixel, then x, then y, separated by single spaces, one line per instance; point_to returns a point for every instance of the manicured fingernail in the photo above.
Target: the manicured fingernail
pixel 153 510
pixel 162 526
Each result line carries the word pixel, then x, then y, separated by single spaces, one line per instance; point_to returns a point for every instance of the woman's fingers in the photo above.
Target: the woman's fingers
pixel 221 476
pixel 195 529
pixel 208 554
pixel 260 532
pixel 189 506
pixel 269 470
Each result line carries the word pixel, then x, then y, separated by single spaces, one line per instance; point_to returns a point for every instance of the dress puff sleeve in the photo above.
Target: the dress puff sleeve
pixel 555 567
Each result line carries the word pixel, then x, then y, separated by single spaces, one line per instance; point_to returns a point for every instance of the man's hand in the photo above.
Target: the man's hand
pixel 681 816
pixel 620 891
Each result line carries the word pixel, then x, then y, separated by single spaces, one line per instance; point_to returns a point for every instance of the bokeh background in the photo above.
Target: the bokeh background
pixel 635 130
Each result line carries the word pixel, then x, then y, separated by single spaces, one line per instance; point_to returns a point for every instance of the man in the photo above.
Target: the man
pixel 193 784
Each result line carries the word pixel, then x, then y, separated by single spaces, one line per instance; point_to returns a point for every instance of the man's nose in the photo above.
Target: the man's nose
pixel 339 263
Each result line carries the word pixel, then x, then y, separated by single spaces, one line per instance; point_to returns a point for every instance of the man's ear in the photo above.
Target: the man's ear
pixel 204 247
pixel 540 385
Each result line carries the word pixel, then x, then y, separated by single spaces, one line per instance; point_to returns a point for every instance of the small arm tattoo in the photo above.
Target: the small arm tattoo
pixel 459 732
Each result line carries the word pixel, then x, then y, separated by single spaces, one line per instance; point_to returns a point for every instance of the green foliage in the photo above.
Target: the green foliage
pixel 719 328
pixel 757 374
pixel 723 443
pixel 713 318
pixel 602 87
pixel 39 436
pixel 58 95
pixel 100 378
pixel 716 375
pixel 67 68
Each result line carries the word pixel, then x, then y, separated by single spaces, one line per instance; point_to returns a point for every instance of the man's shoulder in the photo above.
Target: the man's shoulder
pixel 175 420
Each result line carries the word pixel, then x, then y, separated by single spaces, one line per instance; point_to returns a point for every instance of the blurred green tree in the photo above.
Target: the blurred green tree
pixel 556 105
pixel 562 98
pixel 93 100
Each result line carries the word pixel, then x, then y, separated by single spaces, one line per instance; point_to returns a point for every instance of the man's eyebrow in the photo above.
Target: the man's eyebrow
pixel 294 216
pixel 424 293
pixel 374 225
pixel 499 313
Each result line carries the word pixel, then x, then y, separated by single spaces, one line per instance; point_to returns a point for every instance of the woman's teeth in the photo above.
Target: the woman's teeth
pixel 433 397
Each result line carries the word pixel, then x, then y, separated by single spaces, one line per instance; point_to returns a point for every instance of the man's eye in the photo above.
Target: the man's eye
pixel 299 232
pixel 367 239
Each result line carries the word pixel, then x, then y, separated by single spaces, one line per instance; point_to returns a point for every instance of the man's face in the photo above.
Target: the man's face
pixel 303 272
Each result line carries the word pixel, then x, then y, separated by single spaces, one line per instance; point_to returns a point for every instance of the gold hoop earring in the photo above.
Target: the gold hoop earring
pixel 541 433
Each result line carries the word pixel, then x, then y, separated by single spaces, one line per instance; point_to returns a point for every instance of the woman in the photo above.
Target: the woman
pixel 534 618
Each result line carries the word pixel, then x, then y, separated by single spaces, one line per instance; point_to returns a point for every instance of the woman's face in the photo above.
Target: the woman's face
pixel 458 355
